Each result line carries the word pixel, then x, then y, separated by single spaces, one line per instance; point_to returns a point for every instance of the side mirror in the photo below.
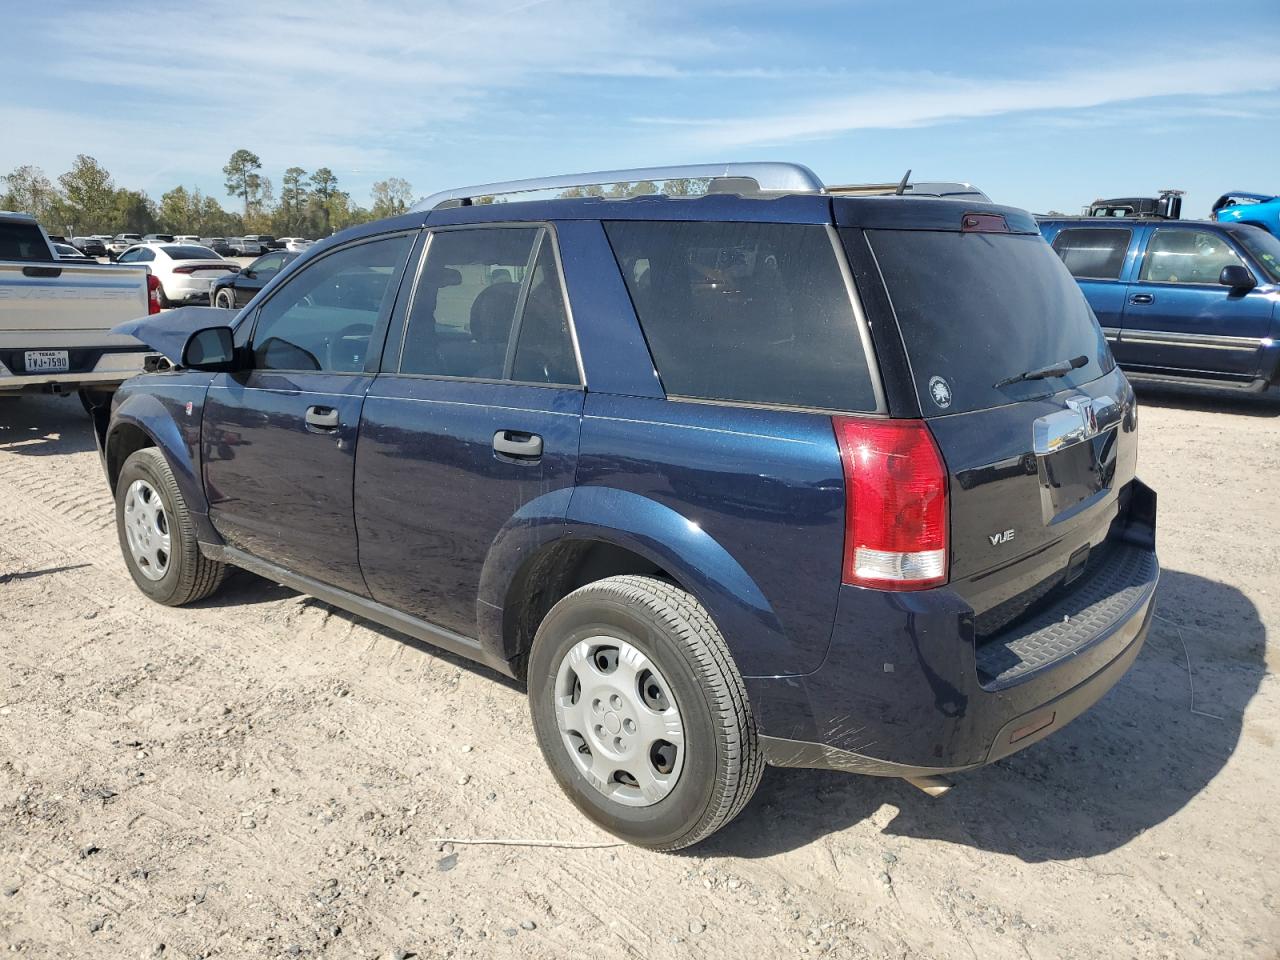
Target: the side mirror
pixel 212 349
pixel 249 274
pixel 1237 277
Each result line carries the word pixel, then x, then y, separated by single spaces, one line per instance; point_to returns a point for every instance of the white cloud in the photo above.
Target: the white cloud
pixel 928 99
pixel 349 84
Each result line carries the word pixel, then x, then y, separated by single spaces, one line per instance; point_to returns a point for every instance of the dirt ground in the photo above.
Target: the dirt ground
pixel 265 776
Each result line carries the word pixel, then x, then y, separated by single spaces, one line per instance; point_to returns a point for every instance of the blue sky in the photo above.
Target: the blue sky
pixel 1043 105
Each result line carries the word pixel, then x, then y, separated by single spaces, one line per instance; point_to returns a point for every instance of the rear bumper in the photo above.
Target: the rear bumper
pixel 188 289
pixel 89 365
pixel 906 691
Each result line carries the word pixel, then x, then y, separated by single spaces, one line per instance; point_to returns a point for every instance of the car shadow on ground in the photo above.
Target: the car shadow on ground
pixel 40 426
pixel 1134 760
pixel 245 588
pixel 1209 400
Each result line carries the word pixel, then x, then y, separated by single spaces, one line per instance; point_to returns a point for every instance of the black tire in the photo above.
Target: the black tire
pixel 190 576
pixel 224 299
pixel 722 763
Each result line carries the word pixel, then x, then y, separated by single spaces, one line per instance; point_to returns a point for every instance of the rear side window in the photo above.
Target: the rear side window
pixel 975 308
pixel 22 241
pixel 748 312
pixel 480 289
pixel 1092 254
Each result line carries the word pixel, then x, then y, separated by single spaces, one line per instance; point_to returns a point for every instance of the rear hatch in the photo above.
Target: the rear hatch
pixel 1038 462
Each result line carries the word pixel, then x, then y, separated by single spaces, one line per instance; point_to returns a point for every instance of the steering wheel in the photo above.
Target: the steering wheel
pixel 350 331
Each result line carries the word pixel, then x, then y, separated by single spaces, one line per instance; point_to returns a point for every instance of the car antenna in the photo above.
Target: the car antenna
pixel 902 184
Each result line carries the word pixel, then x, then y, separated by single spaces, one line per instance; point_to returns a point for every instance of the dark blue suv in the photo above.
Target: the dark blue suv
pixel 769 475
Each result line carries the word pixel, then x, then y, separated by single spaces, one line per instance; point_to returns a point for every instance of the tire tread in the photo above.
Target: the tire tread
pixel 199 576
pixel 693 627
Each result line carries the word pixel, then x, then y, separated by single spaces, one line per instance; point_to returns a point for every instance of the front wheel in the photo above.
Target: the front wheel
pixel 641 713
pixel 224 300
pixel 157 534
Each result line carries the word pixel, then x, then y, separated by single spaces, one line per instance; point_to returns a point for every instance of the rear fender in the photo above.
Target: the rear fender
pixel 697 562
pixel 648 529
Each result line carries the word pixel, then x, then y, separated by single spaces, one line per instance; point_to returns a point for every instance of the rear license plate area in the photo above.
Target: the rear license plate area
pixel 46 361
pixel 1078 473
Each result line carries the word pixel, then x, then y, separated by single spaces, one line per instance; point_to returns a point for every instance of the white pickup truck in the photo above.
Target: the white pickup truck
pixel 56 316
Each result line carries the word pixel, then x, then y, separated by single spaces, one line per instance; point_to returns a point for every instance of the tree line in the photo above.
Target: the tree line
pixel 86 200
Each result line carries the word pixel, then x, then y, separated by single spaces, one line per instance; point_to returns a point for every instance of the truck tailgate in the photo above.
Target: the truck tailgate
pixel 66 296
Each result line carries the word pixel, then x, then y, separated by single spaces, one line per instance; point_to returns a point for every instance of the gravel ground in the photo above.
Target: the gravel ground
pixel 266 776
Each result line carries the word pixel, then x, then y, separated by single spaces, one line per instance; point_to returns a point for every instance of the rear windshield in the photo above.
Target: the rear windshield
pixel 22 241
pixel 191 253
pixel 976 308
pixel 747 312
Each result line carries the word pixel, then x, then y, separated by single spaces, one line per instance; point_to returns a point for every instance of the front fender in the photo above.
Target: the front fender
pixel 173 427
pixel 701 565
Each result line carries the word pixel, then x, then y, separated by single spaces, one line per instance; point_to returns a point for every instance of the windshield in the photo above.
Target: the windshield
pixel 978 308
pixel 1263 247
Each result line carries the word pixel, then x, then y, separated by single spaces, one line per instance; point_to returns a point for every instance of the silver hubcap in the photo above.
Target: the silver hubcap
pixel 619 721
pixel 146 528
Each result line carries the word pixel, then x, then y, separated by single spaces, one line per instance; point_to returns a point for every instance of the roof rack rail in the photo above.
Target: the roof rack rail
pixel 750 178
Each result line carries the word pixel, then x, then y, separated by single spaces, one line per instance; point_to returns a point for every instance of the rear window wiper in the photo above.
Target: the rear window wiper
pixel 1059 369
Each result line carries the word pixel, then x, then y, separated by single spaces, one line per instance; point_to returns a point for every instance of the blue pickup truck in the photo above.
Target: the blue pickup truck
pixel 1183 301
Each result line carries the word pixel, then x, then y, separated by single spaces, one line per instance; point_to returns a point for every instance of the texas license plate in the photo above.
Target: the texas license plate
pixel 47 361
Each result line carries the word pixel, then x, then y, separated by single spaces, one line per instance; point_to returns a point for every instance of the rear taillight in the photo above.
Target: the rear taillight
pixel 153 293
pixel 895 515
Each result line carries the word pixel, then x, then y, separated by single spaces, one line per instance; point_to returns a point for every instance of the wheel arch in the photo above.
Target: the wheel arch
pixel 143 420
pixel 605 532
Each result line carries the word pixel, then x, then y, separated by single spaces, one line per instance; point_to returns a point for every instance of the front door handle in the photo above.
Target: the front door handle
pixel 1143 298
pixel 324 417
pixel 513 443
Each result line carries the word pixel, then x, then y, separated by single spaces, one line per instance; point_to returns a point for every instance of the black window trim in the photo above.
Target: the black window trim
pixel 376 335
pixel 1245 261
pixel 546 230
pixel 1119 277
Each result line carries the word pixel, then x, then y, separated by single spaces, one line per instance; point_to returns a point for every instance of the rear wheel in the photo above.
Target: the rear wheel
pixel 157 535
pixel 641 713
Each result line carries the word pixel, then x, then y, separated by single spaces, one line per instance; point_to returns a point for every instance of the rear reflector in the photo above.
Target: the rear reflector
pixel 895 534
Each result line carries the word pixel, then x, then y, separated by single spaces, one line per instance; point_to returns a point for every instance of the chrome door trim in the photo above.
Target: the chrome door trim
pixel 1211 341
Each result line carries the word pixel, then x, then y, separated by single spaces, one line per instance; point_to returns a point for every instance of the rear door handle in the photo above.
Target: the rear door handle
pixel 324 417
pixel 1143 298
pixel 513 443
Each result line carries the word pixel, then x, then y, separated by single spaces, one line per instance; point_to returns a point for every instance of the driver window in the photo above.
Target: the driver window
pixel 268 266
pixel 322 317
pixel 1178 255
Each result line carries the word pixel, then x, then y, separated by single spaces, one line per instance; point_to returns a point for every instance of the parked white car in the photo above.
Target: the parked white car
pixel 296 244
pixel 185 270
pixel 187 238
